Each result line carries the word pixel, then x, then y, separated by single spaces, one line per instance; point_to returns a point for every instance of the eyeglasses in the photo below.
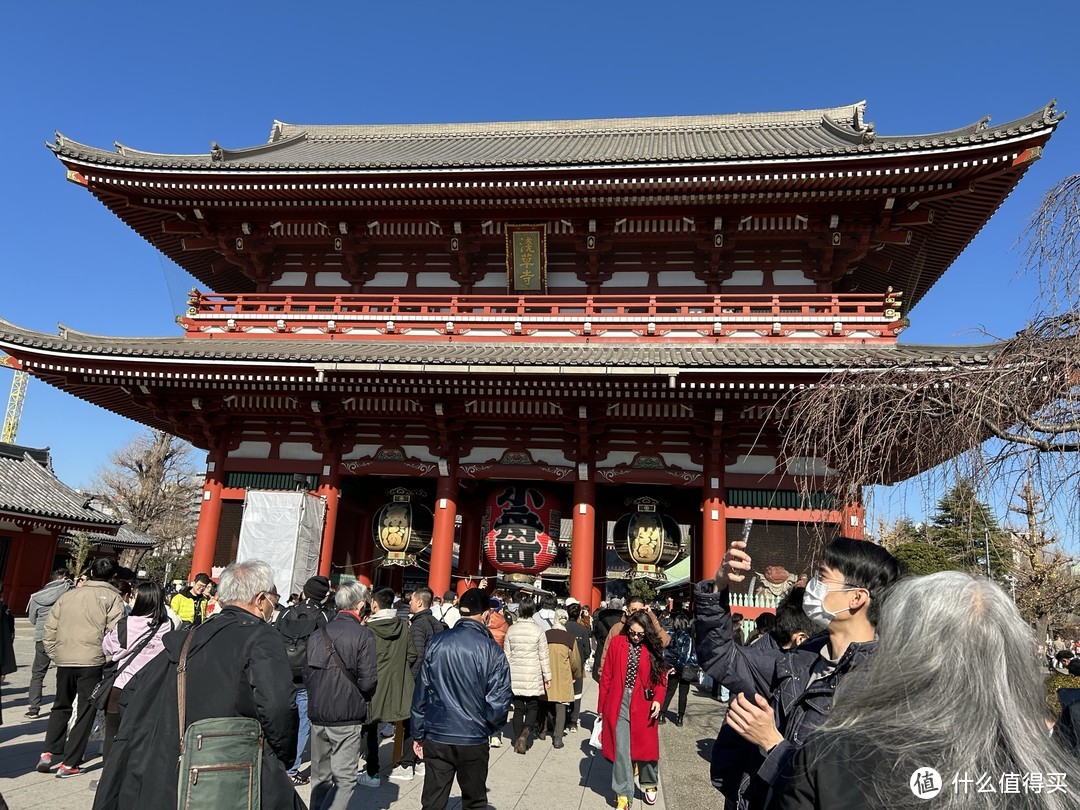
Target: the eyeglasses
pixel 636 634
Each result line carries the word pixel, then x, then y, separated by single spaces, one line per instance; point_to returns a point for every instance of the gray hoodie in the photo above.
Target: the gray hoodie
pixel 41 603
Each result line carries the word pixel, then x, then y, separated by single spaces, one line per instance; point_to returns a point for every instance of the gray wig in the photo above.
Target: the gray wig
pixel 351 594
pixel 241 582
pixel 952 686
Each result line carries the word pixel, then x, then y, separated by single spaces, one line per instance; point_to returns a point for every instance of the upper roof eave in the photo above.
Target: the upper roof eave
pixel 838 132
pixel 509 355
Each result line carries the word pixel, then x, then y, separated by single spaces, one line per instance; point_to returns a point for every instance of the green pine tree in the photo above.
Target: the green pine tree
pixel 962 526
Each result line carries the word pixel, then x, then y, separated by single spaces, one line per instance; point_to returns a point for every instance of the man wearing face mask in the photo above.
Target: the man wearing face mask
pixel 781 696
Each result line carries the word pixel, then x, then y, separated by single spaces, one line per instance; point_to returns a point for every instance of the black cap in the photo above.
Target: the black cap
pixel 474 602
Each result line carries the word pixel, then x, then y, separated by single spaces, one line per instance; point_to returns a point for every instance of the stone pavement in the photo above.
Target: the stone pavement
pixel 573 778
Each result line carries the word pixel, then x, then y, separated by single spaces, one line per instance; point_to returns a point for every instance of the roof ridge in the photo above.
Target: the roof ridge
pixel 704 122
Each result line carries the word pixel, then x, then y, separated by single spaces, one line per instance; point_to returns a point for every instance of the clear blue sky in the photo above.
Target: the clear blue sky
pixel 170 78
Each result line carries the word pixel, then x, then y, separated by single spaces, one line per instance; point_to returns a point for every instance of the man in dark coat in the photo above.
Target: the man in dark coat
pixel 602 622
pixel 297 623
pixel 395 655
pixel 461 699
pixel 782 696
pixel 341 676
pixel 236 667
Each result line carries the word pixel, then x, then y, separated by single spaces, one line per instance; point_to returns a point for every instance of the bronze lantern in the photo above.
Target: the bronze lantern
pixel 402 528
pixel 647 540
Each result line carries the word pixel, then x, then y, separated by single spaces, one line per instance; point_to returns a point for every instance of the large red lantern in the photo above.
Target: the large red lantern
pixel 647 540
pixel 521 526
pixel 402 528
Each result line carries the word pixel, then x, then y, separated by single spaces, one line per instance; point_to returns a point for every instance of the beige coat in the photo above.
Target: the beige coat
pixel 565 665
pixel 79 621
pixel 527 651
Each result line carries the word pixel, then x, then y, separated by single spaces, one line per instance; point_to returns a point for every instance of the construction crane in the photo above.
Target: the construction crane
pixel 16 400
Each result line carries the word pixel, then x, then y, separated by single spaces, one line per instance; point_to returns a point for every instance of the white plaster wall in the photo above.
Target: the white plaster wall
pixel 424 280
pixel 790 278
pixel 391 279
pixel 330 280
pixel 298 451
pixel 752 465
pixel 251 450
pixel 745 278
pixel 290 280
pixel 492 281
pixel 565 281
pixel 679 278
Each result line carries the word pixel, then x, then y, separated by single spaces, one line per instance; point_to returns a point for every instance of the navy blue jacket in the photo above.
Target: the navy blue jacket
pixel 739 769
pixel 463 691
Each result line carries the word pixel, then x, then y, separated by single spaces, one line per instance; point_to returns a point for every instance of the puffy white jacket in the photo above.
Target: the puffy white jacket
pixel 527 651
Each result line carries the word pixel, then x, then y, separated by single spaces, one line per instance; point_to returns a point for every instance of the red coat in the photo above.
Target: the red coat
pixel 644 733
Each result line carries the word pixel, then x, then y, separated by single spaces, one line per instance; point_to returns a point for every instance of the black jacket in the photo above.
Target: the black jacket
pixel 739 770
pixel 296 624
pixel 236 667
pixel 602 623
pixel 423 626
pixel 842 776
pixel 463 692
pixel 581 636
pixel 333 700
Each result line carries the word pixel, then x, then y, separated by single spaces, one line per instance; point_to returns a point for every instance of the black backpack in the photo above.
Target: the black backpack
pixel 296 624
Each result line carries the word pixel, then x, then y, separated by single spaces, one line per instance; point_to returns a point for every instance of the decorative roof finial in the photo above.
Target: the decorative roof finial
pixel 216 152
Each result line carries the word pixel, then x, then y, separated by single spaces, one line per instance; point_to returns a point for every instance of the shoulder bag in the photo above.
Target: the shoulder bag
pixel 330 648
pixel 99 697
pixel 220 757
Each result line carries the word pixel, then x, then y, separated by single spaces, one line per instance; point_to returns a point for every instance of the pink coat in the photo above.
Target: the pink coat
pixel 137 626
pixel 644 733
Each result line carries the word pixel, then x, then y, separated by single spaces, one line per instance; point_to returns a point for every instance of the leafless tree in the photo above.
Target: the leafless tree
pixel 1047 590
pixel 1007 408
pixel 151 484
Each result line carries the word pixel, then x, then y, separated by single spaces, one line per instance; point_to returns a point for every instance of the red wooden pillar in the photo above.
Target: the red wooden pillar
pixel 330 489
pixel 442 536
pixel 202 558
pixel 713 542
pixel 852 520
pixel 583 544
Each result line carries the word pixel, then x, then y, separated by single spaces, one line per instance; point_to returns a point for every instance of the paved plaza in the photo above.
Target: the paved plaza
pixel 573 778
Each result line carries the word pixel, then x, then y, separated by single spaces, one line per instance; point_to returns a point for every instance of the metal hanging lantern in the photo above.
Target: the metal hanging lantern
pixel 521 526
pixel 402 528
pixel 647 540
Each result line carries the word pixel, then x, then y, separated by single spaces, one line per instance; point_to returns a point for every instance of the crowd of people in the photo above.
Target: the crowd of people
pixel 845 696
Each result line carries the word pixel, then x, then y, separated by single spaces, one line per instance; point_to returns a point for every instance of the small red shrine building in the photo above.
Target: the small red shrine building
pixel 37 512
pixel 605 310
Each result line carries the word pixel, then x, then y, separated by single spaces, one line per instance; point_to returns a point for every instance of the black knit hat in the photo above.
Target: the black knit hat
pixel 317 588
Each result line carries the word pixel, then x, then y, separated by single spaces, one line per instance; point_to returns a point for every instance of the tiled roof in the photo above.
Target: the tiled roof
pixel 126 537
pixel 29 487
pixel 478 357
pixel 835 132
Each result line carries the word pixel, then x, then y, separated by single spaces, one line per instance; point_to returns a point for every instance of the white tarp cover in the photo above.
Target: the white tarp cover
pixel 285 530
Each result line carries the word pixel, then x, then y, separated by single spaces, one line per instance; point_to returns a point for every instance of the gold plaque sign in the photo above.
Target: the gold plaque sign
pixel 526 258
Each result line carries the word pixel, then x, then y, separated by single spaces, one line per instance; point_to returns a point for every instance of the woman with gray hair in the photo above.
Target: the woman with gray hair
pixel 950 708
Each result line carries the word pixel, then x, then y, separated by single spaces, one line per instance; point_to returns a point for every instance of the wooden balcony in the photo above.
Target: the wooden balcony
pixel 747 317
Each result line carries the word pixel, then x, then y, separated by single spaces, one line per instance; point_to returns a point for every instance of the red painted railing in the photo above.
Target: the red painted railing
pixel 544 315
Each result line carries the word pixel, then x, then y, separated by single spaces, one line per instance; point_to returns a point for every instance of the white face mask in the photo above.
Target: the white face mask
pixel 814 602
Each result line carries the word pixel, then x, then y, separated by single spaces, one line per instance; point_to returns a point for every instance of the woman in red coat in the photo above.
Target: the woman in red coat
pixel 632 688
